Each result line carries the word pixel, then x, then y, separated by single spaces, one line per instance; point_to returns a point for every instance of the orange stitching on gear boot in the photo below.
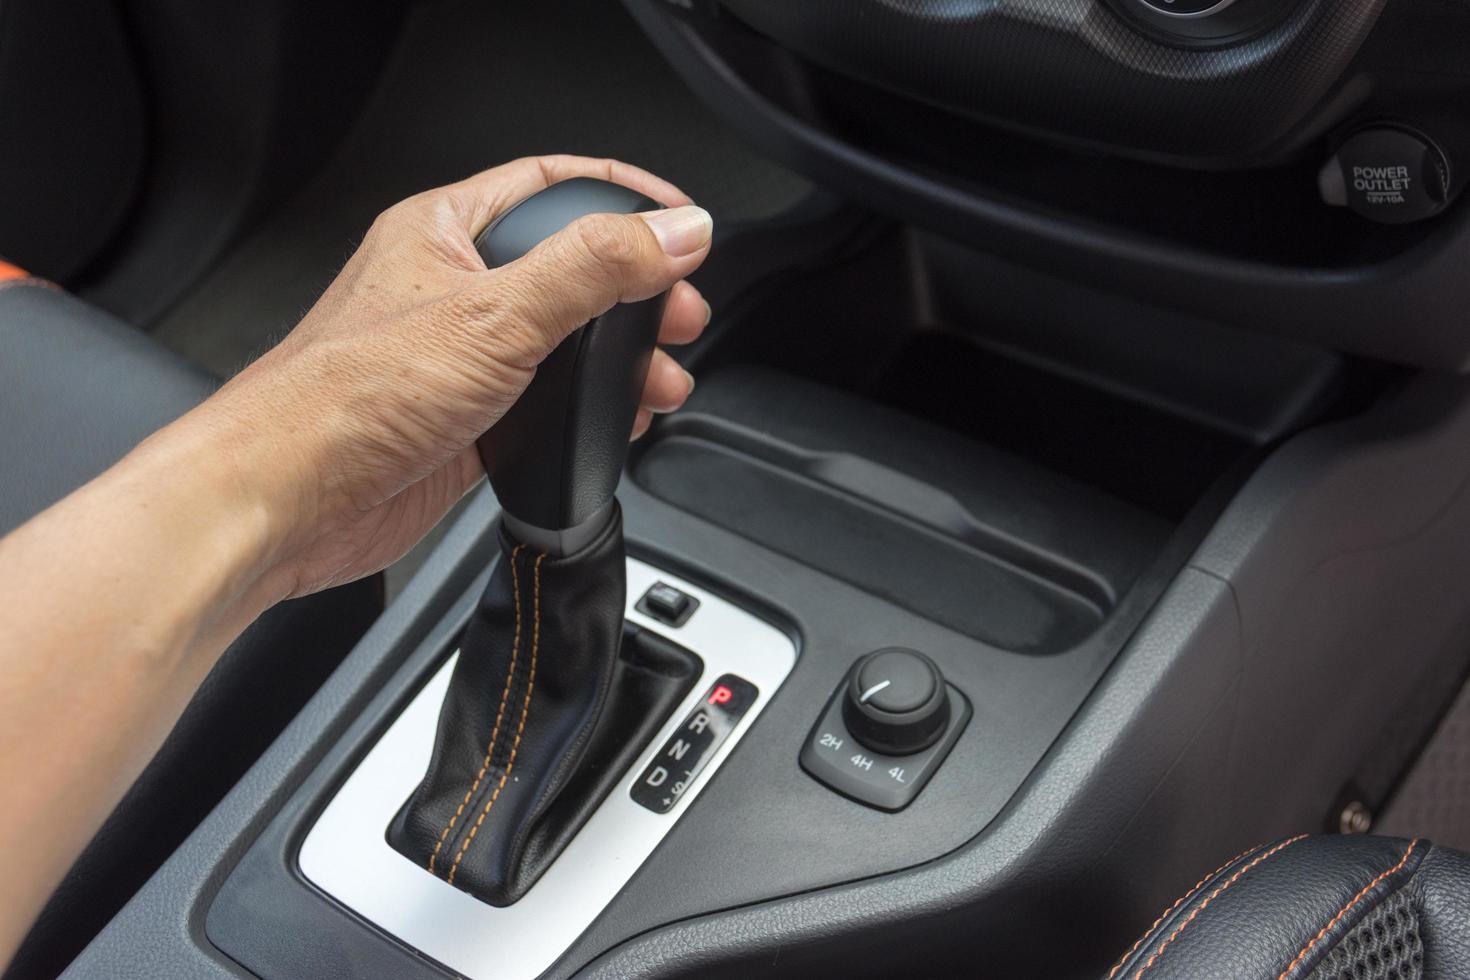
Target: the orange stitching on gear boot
pixel 520 726
pixel 1165 914
pixel 1205 904
pixel 1344 910
pixel 510 673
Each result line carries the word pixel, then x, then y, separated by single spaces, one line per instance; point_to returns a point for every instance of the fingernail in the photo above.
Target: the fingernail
pixel 690 378
pixel 708 313
pixel 680 231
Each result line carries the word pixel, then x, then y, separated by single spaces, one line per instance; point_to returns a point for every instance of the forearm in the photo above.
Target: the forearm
pixel 117 602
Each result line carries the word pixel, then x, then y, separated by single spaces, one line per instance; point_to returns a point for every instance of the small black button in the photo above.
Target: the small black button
pixel 667 604
pixel 682 757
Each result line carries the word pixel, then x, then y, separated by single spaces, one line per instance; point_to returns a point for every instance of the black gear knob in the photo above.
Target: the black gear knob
pixel 555 458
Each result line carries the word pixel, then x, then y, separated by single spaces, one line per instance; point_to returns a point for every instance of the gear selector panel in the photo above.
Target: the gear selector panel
pixel 347 855
pixel 679 761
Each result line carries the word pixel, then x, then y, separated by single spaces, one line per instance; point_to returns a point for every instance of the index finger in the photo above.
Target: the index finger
pixel 482 198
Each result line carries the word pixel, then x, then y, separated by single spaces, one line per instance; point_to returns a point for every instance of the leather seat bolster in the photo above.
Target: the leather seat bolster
pixel 1301 907
pixel 78 390
pixel 1443 886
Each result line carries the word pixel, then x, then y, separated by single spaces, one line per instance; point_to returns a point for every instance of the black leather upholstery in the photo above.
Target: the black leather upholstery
pixel 78 389
pixel 547 706
pixel 1317 908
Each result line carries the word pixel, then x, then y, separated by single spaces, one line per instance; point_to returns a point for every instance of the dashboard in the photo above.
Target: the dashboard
pixel 1131 76
pixel 1287 167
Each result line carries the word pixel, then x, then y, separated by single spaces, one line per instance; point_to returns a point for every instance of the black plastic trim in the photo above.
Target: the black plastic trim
pixel 1407 309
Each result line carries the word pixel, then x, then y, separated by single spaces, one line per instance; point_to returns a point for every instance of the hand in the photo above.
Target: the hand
pixel 357 432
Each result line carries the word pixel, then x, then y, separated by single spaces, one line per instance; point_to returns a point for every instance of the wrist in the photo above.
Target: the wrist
pixel 259 473
pixel 203 488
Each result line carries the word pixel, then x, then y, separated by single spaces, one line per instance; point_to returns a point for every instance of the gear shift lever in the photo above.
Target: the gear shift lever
pixel 555 458
pixel 548 704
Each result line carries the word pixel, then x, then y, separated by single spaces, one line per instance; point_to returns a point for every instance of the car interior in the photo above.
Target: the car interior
pixel 1070 503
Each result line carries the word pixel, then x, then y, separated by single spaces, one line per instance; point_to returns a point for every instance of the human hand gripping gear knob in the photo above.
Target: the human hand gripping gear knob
pixel 322 462
pixel 547 703
pixel 417 349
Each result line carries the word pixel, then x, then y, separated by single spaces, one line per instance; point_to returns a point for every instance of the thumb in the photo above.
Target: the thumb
pixel 591 265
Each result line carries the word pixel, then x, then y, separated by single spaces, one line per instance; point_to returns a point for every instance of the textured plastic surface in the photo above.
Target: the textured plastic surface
pixel 1260 674
pixel 971 537
pixel 1421 289
pixel 1077 69
pixel 1253 679
pixel 556 456
pixel 1434 798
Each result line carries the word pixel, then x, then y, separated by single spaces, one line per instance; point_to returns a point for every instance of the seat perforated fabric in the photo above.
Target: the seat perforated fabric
pixel 1316 908
pixel 1386 945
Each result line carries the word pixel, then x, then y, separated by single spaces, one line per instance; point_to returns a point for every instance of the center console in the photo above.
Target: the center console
pixel 978 654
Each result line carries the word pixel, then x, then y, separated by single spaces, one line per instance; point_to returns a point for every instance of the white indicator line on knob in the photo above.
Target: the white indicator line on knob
pixel 872 691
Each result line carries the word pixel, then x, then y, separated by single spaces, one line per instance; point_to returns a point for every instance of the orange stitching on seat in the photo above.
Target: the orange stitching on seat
pixel 1168 911
pixel 1205 904
pixel 1344 910
pixel 510 672
pixel 520 726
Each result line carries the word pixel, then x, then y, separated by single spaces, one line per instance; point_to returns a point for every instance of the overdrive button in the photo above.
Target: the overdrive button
pixel 896 702
pixel 667 604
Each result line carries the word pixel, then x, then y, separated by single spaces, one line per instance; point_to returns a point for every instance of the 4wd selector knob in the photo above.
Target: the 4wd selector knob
pixel 896 702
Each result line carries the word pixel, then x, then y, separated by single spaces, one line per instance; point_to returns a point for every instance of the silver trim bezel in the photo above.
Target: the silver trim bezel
pixel 346 853
pixel 1207 12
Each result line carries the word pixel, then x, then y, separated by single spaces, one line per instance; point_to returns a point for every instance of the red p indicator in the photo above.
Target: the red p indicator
pixel 721 695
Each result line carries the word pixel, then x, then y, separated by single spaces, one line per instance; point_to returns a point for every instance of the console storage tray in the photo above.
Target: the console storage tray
pixel 970 536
